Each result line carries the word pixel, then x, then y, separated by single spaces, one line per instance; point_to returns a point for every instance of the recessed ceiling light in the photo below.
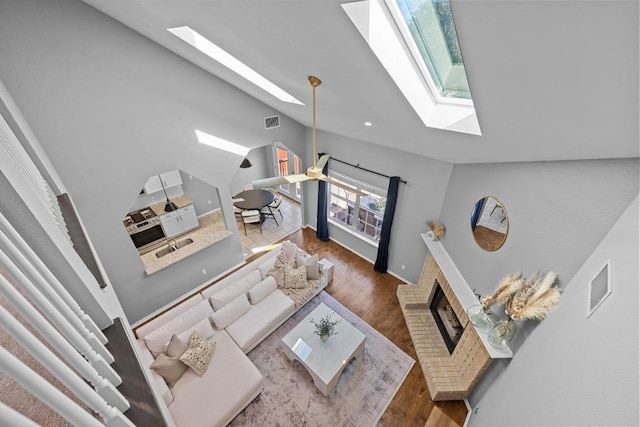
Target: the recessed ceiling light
pixel 222 144
pixel 214 51
pixel 369 124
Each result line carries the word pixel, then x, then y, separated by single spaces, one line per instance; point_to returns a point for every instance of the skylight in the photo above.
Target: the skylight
pixel 222 144
pixel 432 34
pixel 215 52
pixel 416 43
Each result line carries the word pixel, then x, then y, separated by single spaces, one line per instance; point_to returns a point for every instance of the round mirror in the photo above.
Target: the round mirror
pixel 489 223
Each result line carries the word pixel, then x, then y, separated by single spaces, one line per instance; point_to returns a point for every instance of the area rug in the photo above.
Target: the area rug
pixel 289 397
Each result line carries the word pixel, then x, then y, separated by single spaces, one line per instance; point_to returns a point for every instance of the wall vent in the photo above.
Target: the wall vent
pixel 599 287
pixel 272 122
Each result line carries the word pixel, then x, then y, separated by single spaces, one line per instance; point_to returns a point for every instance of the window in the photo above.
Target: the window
pixel 416 42
pixel 434 43
pixel 362 215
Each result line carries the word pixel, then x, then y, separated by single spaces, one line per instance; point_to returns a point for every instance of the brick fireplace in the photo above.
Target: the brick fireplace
pixel 450 372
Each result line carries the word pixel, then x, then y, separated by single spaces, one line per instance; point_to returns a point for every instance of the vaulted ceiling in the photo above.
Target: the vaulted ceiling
pixel 550 80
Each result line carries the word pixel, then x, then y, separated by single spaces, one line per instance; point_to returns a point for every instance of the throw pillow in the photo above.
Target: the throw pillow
pixel 176 347
pixel 311 263
pixel 295 278
pixel 158 339
pixel 262 290
pixel 241 286
pixel 170 368
pixel 231 312
pixel 199 354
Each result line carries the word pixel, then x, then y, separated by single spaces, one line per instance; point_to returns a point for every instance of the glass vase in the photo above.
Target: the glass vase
pixel 480 316
pixel 502 333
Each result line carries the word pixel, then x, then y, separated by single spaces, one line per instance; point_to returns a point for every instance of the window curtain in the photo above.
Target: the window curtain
pixel 322 228
pixel 475 215
pixel 385 234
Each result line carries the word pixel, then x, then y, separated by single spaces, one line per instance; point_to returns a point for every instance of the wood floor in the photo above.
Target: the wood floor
pixel 372 296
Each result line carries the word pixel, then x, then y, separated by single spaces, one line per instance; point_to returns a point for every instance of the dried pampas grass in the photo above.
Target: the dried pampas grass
pixel 507 287
pixel 540 308
pixel 532 298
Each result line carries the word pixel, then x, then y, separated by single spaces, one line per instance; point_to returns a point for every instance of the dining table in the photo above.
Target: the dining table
pixel 253 199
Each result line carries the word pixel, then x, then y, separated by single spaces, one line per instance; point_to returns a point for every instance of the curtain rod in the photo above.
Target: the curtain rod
pixel 361 168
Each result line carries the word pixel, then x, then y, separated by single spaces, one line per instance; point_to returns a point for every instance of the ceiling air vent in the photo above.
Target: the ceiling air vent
pixel 272 122
pixel 599 288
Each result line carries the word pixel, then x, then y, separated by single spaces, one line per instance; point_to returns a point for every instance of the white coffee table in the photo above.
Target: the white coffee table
pixel 324 360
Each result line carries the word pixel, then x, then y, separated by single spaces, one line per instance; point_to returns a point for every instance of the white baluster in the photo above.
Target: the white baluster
pixel 43 390
pixel 28 253
pixel 58 368
pixel 87 369
pixel 13 418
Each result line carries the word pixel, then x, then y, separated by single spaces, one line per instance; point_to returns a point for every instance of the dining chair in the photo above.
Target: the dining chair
pixel 266 211
pixel 275 205
pixel 251 217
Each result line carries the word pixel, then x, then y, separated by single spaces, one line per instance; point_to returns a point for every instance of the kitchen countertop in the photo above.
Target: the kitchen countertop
pixel 211 231
pixel 180 201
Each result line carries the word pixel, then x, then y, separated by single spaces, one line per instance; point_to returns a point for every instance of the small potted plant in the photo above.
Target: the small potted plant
pixel 325 327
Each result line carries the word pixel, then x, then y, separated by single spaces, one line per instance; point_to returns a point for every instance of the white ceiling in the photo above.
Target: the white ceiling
pixel 550 80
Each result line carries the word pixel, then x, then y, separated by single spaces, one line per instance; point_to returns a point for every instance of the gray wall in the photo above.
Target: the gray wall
pixel 111 108
pixel 575 371
pixel 558 212
pixel 261 160
pixel 419 200
pixel 205 196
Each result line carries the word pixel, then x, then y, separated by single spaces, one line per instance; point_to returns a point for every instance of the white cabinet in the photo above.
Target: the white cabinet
pixel 179 222
pixel 168 179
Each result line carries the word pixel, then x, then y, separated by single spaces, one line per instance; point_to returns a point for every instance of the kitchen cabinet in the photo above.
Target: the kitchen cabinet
pixel 168 179
pixel 179 222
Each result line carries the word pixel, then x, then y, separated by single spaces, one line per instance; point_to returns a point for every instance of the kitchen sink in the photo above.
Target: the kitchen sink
pixel 174 246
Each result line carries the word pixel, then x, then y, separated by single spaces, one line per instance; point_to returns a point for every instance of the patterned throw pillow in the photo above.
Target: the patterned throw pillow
pixel 199 354
pixel 295 278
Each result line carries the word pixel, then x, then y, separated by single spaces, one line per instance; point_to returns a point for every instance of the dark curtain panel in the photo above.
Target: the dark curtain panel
pixel 322 229
pixel 387 221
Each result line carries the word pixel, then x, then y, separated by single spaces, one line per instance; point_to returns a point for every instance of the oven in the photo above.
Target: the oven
pixel 145 229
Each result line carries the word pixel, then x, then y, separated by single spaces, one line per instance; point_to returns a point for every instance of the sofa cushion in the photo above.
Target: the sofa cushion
pixel 295 278
pixel 224 296
pixel 199 354
pixel 311 263
pixel 158 339
pixel 160 320
pixel 203 327
pixel 231 312
pixel 261 319
pixel 266 266
pixel 262 289
pixel 216 397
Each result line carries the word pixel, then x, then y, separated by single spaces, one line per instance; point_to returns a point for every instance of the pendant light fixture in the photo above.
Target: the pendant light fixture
pixel 245 163
pixel 169 206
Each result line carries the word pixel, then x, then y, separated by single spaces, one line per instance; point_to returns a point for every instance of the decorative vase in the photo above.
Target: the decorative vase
pixel 502 332
pixel 324 337
pixel 481 316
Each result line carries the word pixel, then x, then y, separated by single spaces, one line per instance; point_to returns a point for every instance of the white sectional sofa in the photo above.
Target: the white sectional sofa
pixel 236 313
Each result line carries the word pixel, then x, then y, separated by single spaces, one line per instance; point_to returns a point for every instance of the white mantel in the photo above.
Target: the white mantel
pixel 461 288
